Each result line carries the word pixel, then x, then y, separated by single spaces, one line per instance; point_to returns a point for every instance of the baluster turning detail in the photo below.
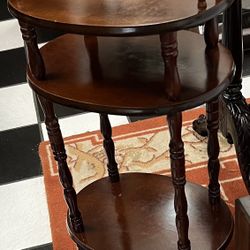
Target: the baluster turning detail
pixel 109 147
pixel 33 56
pixel 211 38
pixel 176 147
pixel 213 149
pixel 57 145
pixel 169 54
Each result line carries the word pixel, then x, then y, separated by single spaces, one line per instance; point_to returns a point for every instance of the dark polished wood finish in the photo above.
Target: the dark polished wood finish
pixel 169 53
pixel 211 36
pixel 176 148
pixel 235 122
pixel 109 147
pixel 133 76
pixel 130 85
pixel 144 215
pixel 213 150
pixel 234 111
pixel 116 17
pixel 58 149
pixel 211 33
pixel 33 55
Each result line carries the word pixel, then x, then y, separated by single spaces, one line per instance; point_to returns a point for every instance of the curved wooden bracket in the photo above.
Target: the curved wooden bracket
pixel 236 125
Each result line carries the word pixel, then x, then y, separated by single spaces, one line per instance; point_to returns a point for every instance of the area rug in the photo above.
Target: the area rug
pixel 140 147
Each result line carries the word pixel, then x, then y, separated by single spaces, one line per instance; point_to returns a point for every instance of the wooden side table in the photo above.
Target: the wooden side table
pixel 134 60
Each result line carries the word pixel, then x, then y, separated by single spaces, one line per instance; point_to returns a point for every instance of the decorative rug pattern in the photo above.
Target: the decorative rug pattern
pixel 140 147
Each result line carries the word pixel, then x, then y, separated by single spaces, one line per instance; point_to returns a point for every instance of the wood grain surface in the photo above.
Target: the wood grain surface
pixel 116 17
pixel 126 75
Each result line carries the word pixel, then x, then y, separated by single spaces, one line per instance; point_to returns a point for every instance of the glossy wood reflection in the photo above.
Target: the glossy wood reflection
pixel 133 76
pixel 129 83
pixel 138 213
pixel 115 17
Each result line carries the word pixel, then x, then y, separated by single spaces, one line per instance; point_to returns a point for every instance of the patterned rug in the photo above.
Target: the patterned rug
pixel 140 147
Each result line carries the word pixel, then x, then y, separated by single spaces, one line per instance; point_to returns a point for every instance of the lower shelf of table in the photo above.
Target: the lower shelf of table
pixel 126 76
pixel 138 213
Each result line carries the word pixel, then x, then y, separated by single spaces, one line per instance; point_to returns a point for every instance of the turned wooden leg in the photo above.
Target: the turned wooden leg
pixel 109 147
pixel 33 55
pixel 179 180
pixel 57 146
pixel 213 149
pixel 91 43
pixel 169 50
pixel 211 38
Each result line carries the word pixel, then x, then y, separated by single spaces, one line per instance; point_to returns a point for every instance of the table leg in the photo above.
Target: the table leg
pixel 213 149
pixel 57 145
pixel 109 147
pixel 179 180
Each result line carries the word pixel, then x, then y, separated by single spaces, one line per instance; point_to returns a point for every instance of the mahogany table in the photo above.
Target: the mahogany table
pixel 133 58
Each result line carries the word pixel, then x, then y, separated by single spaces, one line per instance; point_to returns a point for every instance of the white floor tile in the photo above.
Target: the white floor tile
pixel 24 215
pixel 246 32
pixel 85 122
pixel 17 107
pixel 11 37
pixel 246 87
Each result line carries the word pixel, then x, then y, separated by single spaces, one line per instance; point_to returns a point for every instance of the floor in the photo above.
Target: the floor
pixel 24 215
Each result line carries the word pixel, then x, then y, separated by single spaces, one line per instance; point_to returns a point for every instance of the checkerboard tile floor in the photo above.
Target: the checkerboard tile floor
pixel 24 215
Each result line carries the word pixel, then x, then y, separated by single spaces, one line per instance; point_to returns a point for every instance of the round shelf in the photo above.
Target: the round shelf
pixel 138 213
pixel 116 17
pixel 126 75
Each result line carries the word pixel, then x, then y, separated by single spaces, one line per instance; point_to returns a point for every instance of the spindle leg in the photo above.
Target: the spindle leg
pixel 33 56
pixel 109 147
pixel 169 51
pixel 213 149
pixel 178 177
pixel 57 145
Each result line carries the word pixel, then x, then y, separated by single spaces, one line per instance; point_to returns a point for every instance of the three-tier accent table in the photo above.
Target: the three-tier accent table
pixel 133 58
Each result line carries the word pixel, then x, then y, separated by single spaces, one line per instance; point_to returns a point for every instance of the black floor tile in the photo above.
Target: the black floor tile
pixel 42 247
pixel 246 64
pixel 61 111
pixel 13 67
pixel 4 13
pixel 246 43
pixel 19 154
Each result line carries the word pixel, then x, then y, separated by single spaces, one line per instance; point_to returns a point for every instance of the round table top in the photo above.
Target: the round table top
pixel 140 209
pixel 125 75
pixel 117 17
